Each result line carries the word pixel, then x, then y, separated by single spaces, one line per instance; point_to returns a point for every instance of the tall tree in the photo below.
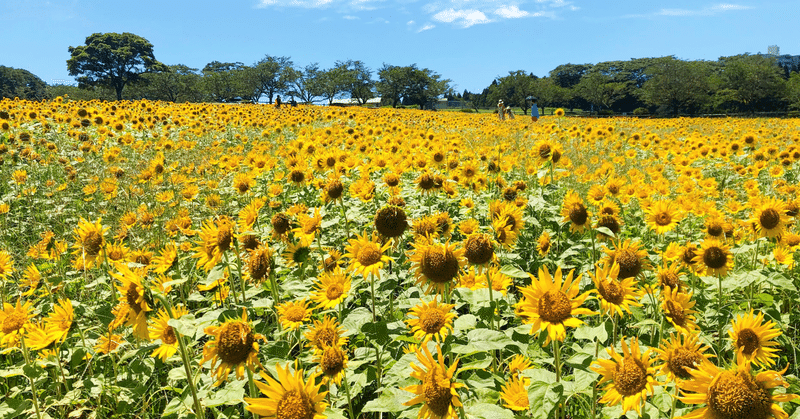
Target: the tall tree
pixel 305 83
pixel 513 89
pixel 599 90
pixel 756 82
pixel 356 79
pixel 16 82
pixel 112 60
pixel 225 82
pixel 677 84
pixel 569 75
pixel 411 85
pixel 179 83
pixel 269 76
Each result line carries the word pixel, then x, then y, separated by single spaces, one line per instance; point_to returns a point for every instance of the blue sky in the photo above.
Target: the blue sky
pixel 470 42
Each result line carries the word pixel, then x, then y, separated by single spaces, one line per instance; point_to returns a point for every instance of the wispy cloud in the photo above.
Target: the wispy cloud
pixel 464 18
pixel 426 27
pixel 511 12
pixel 705 11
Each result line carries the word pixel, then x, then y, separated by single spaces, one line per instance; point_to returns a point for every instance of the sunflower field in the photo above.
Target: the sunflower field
pixel 227 261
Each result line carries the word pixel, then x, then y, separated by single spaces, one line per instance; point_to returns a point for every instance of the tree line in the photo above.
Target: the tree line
pixel 122 66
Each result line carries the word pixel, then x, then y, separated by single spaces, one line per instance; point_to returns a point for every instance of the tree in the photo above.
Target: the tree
pixel 513 89
pixel 551 94
pixel 179 83
pixel 677 84
pixel 112 60
pixel 224 82
pixel 599 90
pixel 16 82
pixel 569 75
pixel 356 79
pixel 410 85
pixel 305 83
pixel 793 90
pixel 754 81
pixel 331 83
pixel 268 77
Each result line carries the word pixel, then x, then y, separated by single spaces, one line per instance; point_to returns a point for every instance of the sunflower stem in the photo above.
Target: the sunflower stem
pixel 185 357
pixel 228 267
pixel 239 269
pixel 349 398
pixel 253 392
pixel 344 215
pixel 674 401
pixel 557 364
pixel 33 384
pixel 491 299
pixel 372 288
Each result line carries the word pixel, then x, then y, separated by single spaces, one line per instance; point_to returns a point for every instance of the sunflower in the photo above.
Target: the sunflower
pixel 89 242
pixel 36 336
pixel 436 264
pixel 503 233
pixel 259 262
pixel 166 259
pixel 332 361
pixel 367 256
pixel 234 346
pixel 13 321
pixel 629 376
pixel 248 216
pixel 60 320
pixel 281 223
pixel 574 211
pixel 108 343
pixel 432 321
pixel 479 249
pixel 215 239
pixel 243 182
pixel 437 391
pixel 616 296
pixel 160 330
pixel 550 303
pixel 662 216
pixel 769 218
pixel 681 353
pixel 669 275
pixel 6 264
pixel 714 258
pixel 132 303
pixel 754 339
pixel 733 393
pixel 543 243
pixel 688 256
pixel 325 333
pixel 294 313
pixel 677 307
pixel 289 397
pixel 309 225
pixel 514 394
pixel 610 222
pixel 391 221
pixel 632 259
pixel 330 289
pixel 297 254
pixel 518 364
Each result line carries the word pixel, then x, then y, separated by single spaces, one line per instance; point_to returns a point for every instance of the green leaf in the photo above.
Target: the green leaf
pixel 481 362
pixel 231 394
pixel 390 400
pixel 779 280
pixel 606 231
pixel 513 272
pixel 486 410
pixel 585 332
pixel 544 398
pixel 13 408
pixel 464 323
pixel 357 318
pixel 483 340
pixel 186 325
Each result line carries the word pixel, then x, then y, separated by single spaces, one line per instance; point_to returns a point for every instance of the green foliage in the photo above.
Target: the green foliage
pixel 410 85
pixel 112 60
pixel 16 82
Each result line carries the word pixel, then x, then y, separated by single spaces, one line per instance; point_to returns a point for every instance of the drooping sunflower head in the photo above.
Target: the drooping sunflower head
pixel 630 256
pixel 574 210
pixel 754 339
pixel 677 308
pixel 629 376
pixel 281 223
pixel 391 221
pixel 437 390
pixel 259 262
pixel 297 254
pixel 431 320
pixel 669 275
pixel 436 265
pixel 679 354
pixel 234 346
pixel 478 249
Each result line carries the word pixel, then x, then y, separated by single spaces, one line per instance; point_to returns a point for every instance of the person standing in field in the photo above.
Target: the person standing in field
pixel 278 102
pixel 501 110
pixel 509 112
pixel 534 111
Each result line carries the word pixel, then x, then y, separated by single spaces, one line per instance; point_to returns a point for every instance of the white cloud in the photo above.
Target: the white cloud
pixel 426 27
pixel 511 12
pixel 410 22
pixel 348 17
pixel 706 11
pixel 464 18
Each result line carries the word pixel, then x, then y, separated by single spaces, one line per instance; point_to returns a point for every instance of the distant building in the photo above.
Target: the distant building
pixel 792 62
pixel 374 102
pixel 57 82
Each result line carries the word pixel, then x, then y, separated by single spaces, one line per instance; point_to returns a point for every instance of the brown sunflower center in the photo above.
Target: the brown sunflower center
pixel 334 189
pixel 295 404
pixel 629 263
pixel 437 397
pixel 735 395
pixel 168 337
pixel 93 243
pixel 714 257
pixel 630 377
pixel 334 291
pixel 13 322
pixel 132 297
pixel 675 313
pixel 297 176
pixel 714 230
pixel 478 249
pixel 510 194
pixel 325 336
pixel 688 256
pixel 612 291
pixel 681 360
pixel 280 223
pixel 578 214
pixel 391 221
pixel 748 341
pixel 369 255
pixel 663 219
pixel 440 266
pixel 555 307
pixel 259 264
pixel 332 361
pixel 544 151
pixel 669 279
pixel 769 218
pixel 235 342
pixel 224 237
pixel 425 182
pixel 610 223
pixel 431 321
